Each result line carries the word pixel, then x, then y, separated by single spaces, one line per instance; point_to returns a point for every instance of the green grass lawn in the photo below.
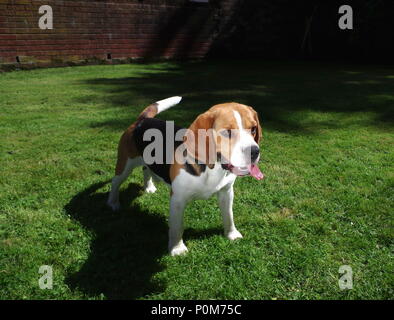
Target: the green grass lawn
pixel 327 200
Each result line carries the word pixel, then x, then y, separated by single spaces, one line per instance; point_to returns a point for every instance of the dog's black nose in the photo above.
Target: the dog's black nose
pixel 254 153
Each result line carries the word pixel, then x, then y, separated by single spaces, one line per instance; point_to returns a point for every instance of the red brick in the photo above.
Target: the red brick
pixel 125 28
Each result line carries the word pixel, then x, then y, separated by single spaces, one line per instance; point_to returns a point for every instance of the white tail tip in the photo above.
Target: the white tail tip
pixel 167 103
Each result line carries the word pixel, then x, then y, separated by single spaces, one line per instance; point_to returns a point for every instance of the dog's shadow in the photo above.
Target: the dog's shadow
pixel 126 248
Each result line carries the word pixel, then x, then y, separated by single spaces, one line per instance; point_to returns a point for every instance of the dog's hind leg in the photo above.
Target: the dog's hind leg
pixel 113 199
pixel 149 187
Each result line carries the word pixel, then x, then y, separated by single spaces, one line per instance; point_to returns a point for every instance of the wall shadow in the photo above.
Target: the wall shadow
pixel 277 90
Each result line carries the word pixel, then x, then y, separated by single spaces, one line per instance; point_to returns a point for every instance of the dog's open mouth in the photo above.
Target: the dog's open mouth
pixel 250 170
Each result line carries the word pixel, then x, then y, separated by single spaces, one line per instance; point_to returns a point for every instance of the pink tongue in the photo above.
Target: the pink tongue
pixel 255 172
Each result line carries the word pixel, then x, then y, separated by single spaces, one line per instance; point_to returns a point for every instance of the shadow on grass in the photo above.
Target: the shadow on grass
pixel 278 91
pixel 126 248
pixel 127 245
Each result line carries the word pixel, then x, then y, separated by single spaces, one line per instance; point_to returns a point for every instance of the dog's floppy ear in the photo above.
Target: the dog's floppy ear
pixel 259 132
pixel 200 141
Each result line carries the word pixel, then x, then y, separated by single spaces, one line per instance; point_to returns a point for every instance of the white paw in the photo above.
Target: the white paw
pixel 178 249
pixel 235 234
pixel 114 206
pixel 150 189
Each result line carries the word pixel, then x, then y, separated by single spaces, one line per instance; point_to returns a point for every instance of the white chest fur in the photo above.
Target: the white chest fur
pixel 202 186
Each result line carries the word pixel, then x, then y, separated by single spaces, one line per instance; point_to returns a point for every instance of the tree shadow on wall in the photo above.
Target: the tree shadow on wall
pixel 180 31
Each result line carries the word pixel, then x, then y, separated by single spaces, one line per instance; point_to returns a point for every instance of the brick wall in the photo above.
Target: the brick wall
pixel 90 30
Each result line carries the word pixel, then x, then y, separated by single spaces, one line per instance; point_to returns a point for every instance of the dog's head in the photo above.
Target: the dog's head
pixel 229 133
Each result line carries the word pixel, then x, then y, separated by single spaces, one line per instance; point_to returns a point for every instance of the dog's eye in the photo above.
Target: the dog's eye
pixel 253 130
pixel 226 133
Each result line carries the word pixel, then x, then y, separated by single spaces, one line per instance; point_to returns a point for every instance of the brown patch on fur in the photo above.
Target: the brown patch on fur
pixel 149 112
pixel 175 168
pixel 204 121
pixel 196 168
pixel 259 132
pixel 126 147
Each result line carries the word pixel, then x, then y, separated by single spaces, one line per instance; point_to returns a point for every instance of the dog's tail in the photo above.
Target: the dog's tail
pixel 159 106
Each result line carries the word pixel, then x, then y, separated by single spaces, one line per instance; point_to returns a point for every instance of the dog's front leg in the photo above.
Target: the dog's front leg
pixel 225 197
pixel 177 206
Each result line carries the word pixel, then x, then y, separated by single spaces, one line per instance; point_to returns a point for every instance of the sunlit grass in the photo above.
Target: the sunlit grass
pixel 327 200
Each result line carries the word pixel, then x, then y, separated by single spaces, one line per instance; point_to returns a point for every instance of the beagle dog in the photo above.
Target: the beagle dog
pixel 196 163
